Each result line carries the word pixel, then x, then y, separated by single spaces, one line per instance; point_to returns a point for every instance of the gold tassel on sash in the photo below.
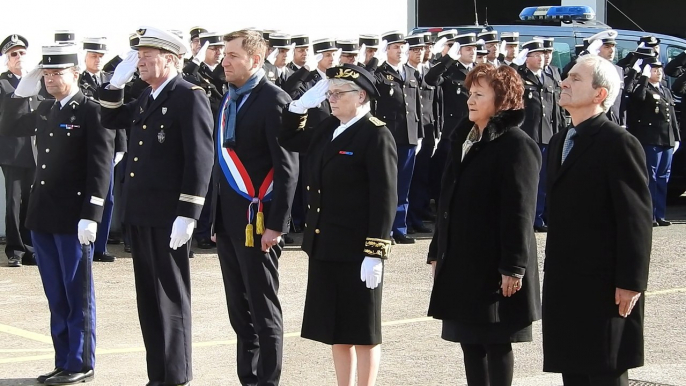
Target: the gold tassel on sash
pixel 259 223
pixel 249 239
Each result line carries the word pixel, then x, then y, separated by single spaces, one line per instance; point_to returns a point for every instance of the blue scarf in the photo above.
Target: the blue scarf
pixel 231 108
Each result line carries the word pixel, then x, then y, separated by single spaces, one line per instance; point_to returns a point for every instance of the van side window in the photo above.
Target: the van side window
pixel 673 52
pixel 624 47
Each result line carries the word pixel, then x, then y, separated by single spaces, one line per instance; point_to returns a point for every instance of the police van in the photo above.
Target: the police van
pixel 570 25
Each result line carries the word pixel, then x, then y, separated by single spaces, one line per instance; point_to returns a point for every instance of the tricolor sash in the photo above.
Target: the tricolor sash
pixel 239 180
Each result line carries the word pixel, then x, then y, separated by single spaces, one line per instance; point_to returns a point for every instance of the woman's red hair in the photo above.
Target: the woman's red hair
pixel 504 80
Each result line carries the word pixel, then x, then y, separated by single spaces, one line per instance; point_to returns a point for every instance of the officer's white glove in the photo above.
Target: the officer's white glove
pixel 521 57
pixel 362 55
pixel 404 53
pixel 637 66
pixel 676 146
pixel 418 147
pixel 311 98
pixel 290 53
pixel 125 70
pixel 438 46
pixel 182 230
pixel 118 156
pixel 594 48
pixel 380 53
pixel 371 271
pixel 454 51
pixel 272 55
pixel 646 70
pixel 313 60
pixel 337 57
pixel 29 85
pixel 197 59
pixel 502 50
pixel 88 229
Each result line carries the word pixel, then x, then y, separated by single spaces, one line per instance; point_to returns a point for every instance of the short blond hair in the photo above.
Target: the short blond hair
pixel 253 42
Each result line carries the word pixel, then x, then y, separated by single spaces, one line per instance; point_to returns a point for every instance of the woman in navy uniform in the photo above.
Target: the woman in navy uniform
pixel 352 173
pixel 657 129
pixel 74 156
pixel 486 286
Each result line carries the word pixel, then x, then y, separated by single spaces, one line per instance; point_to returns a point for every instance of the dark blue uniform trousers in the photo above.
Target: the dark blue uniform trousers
pixel 540 197
pixel 104 226
pixel 420 190
pixel 406 157
pixel 659 160
pixel 65 269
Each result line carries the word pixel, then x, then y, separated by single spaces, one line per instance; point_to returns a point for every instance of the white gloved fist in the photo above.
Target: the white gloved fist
pixel 371 271
pixel 311 98
pixel 381 52
pixel 502 50
pixel 271 58
pixel 290 53
pixel 197 59
pixel 438 46
pixel 594 48
pixel 118 156
pixel 521 57
pixel 29 85
pixel 404 53
pixel 454 51
pixel 337 56
pixel 362 55
pixel 676 146
pixel 88 229
pixel 125 70
pixel 182 230
pixel 637 66
pixel 646 70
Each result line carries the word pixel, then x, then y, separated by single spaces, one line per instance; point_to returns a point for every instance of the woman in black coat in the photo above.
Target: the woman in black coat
pixel 486 286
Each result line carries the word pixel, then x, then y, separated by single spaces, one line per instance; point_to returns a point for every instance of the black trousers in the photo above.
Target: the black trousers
pixel 251 283
pixel 619 378
pixel 163 294
pixel 18 182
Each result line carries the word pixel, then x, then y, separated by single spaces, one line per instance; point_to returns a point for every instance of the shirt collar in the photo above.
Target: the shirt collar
pixel 211 67
pixel 157 92
pixel 321 73
pixel 585 125
pixel 399 68
pixel 361 112
pixel 65 100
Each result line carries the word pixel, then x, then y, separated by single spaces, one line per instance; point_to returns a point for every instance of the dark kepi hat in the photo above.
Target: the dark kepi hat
pixel 60 56
pixel 324 45
pixel 267 32
pixel 533 46
pixel 548 43
pixel 98 45
pixel 134 39
pixel 649 41
pixel 489 36
pixel 466 39
pixel 279 40
pixel 213 38
pixel 13 41
pixel 65 37
pixel 448 34
pixel 654 61
pixel 481 48
pixel 300 40
pixel 196 31
pixel 645 52
pixel 370 41
pixel 348 46
pixel 393 37
pixel 355 74
pixel 416 41
pixel 510 37
pixel 429 38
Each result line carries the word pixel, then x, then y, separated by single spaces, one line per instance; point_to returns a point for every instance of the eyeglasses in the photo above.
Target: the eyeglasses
pixel 53 74
pixel 337 94
pixel 17 53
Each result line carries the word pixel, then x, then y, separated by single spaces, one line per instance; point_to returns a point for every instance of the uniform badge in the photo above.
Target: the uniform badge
pixel 389 77
pixel 164 110
pixel 459 91
pixel 390 92
pixel 161 136
pixel 209 93
pixel 141 111
pixel 530 95
pixel 14 38
pixel 43 117
pixel 72 119
pixel 271 75
pixel 655 96
pixel 10 75
pixel 657 109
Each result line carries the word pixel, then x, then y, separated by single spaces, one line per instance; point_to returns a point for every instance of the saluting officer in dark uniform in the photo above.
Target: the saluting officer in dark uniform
pixel 399 107
pixel 657 129
pixel 17 162
pixel 74 154
pixel 350 51
pixel 492 43
pixel 511 40
pixel 269 67
pixel 89 82
pixel 616 113
pixel 371 43
pixel 195 39
pixel 542 114
pixel 677 68
pixel 300 52
pixel 281 46
pixel 167 172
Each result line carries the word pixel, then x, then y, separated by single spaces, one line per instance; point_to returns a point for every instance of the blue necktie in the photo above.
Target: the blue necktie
pixel 569 144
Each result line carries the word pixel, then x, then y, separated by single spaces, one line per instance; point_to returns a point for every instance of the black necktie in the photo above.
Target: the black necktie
pixel 418 76
pixel 95 80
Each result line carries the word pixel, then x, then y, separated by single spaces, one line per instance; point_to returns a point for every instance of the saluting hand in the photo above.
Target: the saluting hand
pixel 626 300
pixel 438 46
pixel 269 239
pixel 362 54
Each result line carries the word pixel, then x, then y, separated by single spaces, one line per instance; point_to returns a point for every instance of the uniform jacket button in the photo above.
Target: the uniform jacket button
pixel 135 159
pixel 51 134
pixel 43 166
pixel 140 143
pixel 145 127
pixel 132 174
pixel 47 150
pixel 308 187
pixel 318 210
pixel 445 214
pixel 42 182
pixel 317 231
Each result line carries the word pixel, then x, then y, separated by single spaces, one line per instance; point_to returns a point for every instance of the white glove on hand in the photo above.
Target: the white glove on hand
pixel 438 46
pixel 118 156
pixel 381 52
pixel 337 57
pixel 404 53
pixel 362 55
pixel 312 59
pixel 676 146
pixel 637 66
pixel 311 98
pixel 182 230
pixel 419 146
pixel 454 51
pixel 29 85
pixel 594 48
pixel 197 59
pixel 521 57
pixel 272 56
pixel 502 50
pixel 290 53
pixel 646 70
pixel 371 271
pixel 88 229
pixel 125 70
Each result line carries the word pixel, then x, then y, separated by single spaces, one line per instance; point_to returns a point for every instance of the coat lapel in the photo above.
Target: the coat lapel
pixel 251 98
pixel 155 104
pixel 581 144
pixel 333 148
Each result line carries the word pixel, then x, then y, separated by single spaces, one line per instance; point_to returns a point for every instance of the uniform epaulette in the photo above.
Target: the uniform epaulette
pixel 376 121
pixel 197 88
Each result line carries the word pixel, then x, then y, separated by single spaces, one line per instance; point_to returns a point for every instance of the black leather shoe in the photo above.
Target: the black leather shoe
pixel 68 378
pixel 655 224
pixel 14 261
pixel 191 254
pixel 422 229
pixel 29 259
pixel 127 248
pixel 541 228
pixel 44 377
pixel 663 223
pixel 104 257
pixel 402 239
pixel 288 239
pixel 206 244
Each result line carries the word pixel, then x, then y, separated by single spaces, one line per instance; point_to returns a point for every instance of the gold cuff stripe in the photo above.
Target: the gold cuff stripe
pixel 97 201
pixel 111 105
pixel 197 200
pixel 377 248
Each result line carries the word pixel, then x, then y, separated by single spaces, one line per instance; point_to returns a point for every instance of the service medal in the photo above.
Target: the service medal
pixel 530 95
pixel 164 110
pixel 657 109
pixel 161 136
pixel 390 92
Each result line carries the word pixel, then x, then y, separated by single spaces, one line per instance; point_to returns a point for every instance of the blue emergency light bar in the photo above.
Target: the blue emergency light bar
pixel 569 12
